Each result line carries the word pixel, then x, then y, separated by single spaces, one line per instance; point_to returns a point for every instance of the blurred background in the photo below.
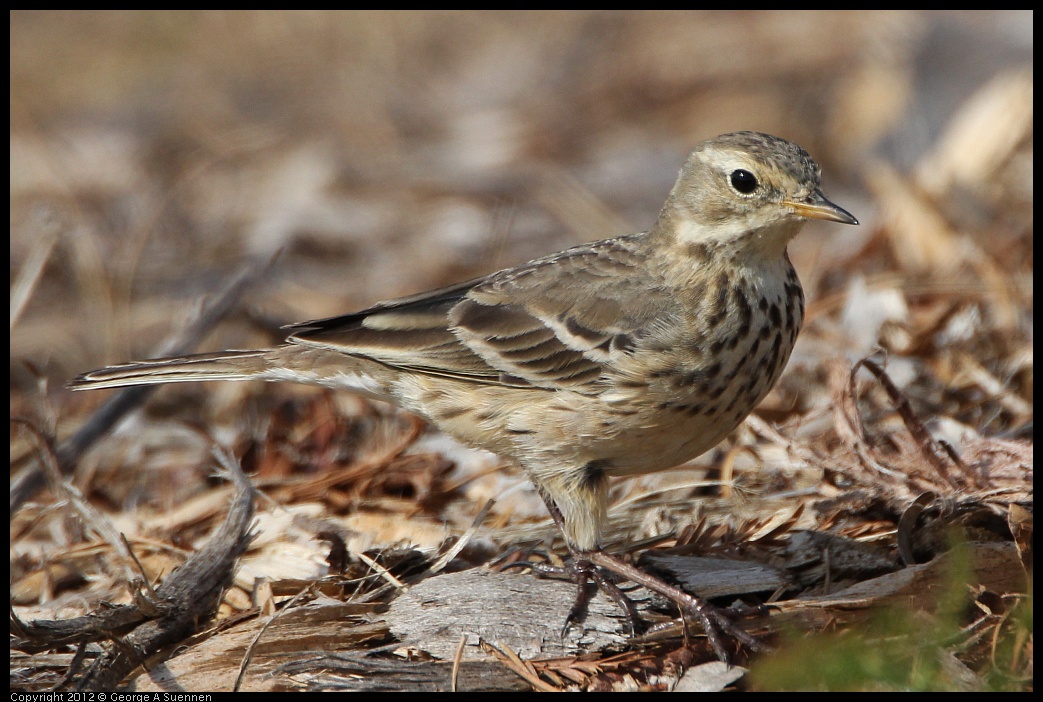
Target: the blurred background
pixel 376 154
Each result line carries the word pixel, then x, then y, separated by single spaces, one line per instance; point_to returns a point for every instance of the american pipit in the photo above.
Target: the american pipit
pixel 619 357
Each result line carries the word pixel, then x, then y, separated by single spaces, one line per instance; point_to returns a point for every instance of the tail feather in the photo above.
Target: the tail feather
pixel 226 365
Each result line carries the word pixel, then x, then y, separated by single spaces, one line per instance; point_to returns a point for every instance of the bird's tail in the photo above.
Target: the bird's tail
pixel 225 365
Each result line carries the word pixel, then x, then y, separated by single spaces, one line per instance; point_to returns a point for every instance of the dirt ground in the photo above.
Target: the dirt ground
pixel 196 180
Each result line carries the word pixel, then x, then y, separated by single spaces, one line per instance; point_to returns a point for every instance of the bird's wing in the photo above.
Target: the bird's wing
pixel 555 322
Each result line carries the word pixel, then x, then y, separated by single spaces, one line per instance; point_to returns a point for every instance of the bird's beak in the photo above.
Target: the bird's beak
pixel 817 206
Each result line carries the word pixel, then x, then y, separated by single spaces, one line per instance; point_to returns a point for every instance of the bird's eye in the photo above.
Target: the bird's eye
pixel 744 181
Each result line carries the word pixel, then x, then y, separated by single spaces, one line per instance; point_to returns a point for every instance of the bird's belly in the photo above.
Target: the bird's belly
pixel 667 445
pixel 681 418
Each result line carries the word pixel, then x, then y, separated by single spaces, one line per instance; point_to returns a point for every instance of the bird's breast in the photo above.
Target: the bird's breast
pixel 696 382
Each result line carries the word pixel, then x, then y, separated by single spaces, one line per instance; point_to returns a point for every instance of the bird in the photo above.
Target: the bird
pixel 620 357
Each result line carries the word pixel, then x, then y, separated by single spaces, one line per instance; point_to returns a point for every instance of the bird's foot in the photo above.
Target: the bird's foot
pixel 598 569
pixel 716 623
pixel 588 579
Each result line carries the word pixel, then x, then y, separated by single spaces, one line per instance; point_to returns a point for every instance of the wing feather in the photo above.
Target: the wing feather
pixel 516 327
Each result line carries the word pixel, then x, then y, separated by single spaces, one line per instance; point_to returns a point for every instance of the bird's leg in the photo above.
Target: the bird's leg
pixel 584 573
pixel 595 565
